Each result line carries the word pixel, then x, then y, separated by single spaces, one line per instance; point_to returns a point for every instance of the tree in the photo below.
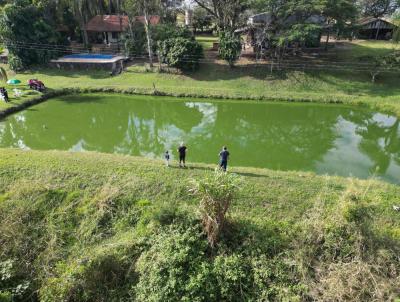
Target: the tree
pixel 338 14
pixel 396 33
pixel 23 27
pixel 379 64
pixel 201 19
pixel 145 8
pixel 225 12
pixel 378 8
pixel 230 47
pixel 289 22
pixel 84 10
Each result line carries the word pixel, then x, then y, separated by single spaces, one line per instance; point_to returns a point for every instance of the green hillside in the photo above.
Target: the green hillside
pixel 97 227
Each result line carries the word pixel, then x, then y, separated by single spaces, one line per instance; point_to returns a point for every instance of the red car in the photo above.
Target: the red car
pixel 36 85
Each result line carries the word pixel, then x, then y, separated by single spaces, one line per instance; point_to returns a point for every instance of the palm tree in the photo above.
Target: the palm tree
pixel 3 75
pixel 83 10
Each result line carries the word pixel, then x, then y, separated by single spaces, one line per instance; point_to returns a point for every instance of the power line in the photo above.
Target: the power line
pixel 281 64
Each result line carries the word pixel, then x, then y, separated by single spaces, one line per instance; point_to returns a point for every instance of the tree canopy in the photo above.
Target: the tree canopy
pixel 23 27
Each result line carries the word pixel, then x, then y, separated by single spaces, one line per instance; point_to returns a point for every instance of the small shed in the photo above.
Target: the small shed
pixel 375 28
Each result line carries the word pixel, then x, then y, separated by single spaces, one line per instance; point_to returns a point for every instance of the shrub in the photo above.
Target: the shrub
pixel 217 191
pixel 164 32
pixel 15 63
pixel 5 297
pixel 230 47
pixel 181 53
pixel 174 268
pixel 177 268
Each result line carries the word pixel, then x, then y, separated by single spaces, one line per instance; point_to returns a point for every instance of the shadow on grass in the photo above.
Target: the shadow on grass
pixel 78 99
pixel 211 169
pixel 70 73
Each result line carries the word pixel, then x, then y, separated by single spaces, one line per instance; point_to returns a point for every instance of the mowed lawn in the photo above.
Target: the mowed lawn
pixel 206 41
pixel 216 79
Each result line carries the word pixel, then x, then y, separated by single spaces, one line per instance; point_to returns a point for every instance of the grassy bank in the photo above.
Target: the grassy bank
pixel 97 227
pixel 215 80
pixel 247 80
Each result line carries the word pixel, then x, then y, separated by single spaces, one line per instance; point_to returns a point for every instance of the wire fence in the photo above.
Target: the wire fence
pixel 271 64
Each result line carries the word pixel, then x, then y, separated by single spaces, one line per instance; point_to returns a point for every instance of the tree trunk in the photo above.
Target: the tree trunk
pixel 327 40
pixel 85 34
pixel 110 7
pixel 148 36
pixel 120 25
pixel 82 24
pixel 374 75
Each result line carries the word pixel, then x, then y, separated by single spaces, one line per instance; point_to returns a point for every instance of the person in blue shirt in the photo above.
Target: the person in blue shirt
pixel 223 156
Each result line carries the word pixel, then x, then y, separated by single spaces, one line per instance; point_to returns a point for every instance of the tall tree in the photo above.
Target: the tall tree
pixel 378 8
pixel 146 8
pixel 225 12
pixel 83 10
pixel 338 14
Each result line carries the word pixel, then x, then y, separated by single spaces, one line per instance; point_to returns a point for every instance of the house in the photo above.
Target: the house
pixel 260 26
pixel 109 28
pixel 375 28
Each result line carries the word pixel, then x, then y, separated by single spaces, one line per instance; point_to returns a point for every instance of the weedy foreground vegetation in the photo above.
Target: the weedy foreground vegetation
pixel 97 227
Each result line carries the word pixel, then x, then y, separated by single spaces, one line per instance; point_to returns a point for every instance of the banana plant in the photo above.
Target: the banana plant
pixel 3 75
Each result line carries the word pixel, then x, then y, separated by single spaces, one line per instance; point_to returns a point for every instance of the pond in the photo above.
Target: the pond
pixel 326 139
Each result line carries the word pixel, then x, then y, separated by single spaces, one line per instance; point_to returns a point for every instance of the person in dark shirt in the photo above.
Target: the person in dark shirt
pixel 182 155
pixel 4 92
pixel 224 156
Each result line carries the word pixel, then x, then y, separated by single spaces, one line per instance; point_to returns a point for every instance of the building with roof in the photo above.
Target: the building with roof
pixel 109 28
pixel 375 28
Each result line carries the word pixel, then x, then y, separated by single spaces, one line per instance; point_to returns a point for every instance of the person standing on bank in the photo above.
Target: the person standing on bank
pixel 223 156
pixel 166 157
pixel 182 155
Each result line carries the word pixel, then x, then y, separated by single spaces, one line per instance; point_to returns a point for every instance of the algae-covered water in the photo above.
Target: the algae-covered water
pixel 326 139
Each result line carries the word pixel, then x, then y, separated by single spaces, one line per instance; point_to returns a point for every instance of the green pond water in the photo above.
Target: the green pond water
pixel 326 139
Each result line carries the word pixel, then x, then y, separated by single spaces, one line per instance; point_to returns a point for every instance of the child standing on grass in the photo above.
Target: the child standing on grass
pixel 166 156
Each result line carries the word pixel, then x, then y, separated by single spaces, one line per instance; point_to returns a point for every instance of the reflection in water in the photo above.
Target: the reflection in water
pixel 321 138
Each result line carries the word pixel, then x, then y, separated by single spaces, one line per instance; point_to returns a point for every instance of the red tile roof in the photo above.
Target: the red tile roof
pixel 154 20
pixel 115 23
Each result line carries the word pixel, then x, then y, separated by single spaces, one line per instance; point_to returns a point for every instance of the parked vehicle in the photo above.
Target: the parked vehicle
pixel 36 85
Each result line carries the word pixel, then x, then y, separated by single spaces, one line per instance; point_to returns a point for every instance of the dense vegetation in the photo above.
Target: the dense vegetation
pixel 92 227
pixel 23 26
